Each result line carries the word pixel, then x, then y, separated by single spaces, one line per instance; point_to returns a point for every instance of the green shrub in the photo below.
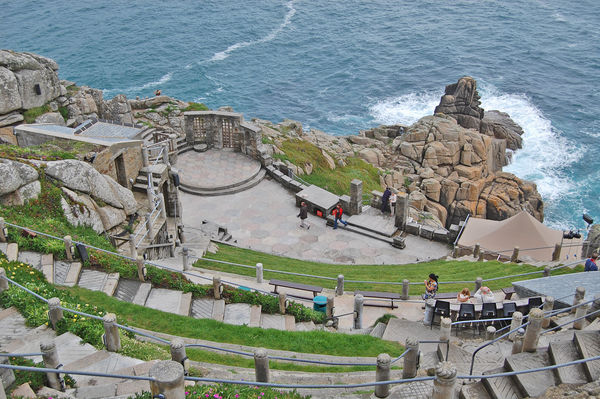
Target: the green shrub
pixel 230 391
pixel 384 319
pixel 195 107
pixel 33 113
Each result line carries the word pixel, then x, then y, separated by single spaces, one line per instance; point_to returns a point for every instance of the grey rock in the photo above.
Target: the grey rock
pixel 14 175
pixel 10 98
pixel 111 216
pixel 500 125
pixel 53 118
pixel 118 109
pixel 79 215
pixel 28 79
pixel 124 195
pixel 10 119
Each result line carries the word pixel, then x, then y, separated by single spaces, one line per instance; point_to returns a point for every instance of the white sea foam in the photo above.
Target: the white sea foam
pixel 135 89
pixel 405 109
pixel 221 55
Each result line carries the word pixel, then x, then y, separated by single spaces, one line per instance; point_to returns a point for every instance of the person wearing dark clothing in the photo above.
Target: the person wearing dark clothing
pixel 337 215
pixel 590 264
pixel 303 215
pixel 385 200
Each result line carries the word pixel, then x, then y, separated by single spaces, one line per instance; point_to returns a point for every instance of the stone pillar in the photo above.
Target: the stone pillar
pixel 141 268
pixel 217 287
pixel 68 248
pixel 358 309
pixel 532 334
pixel 581 312
pixel 595 307
pixel 515 255
pixel 168 379
pixel 547 271
pixel 3 233
pixel 356 193
pixel 282 299
pixel 556 253
pixel 478 283
pixel 261 365
pixel 178 354
pixel 481 256
pixel 517 320
pixel 112 340
pixel 55 313
pixel 455 252
pixel 402 206
pixel 2 391
pixel 382 373
pixel 405 288
pixel 518 341
pixel 490 333
pixel 445 381
pixel 476 250
pixel 579 295
pixel 50 359
pixel 145 157
pixel 165 153
pixel 186 259
pixel 149 226
pixel 445 328
pixel 548 307
pixel 428 318
pixel 411 359
pixel 132 249
pixel 162 206
pixel 259 272
pixel 339 288
pixel 330 307
pixel 3 280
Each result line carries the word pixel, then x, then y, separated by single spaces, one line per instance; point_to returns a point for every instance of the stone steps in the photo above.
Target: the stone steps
pixel 474 391
pixel 359 230
pixel 501 387
pixel 238 187
pixel 588 345
pixel 564 352
pixel 531 384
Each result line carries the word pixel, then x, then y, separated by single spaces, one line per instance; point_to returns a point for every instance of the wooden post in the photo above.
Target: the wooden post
pixel 282 299
pixel 217 287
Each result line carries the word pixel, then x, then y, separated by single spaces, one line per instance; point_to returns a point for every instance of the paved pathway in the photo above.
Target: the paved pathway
pixel 263 218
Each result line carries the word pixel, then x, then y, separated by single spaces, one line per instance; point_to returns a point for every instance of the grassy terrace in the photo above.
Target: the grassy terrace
pixel 447 270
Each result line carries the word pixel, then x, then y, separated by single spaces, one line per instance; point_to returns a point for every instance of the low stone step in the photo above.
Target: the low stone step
pixel 225 191
pixel 185 304
pixel 563 352
pixel 474 391
pixel 12 252
pixel 218 312
pixel 141 296
pixel 255 312
pixel 48 267
pixel 275 321
pixel 237 314
pixel 126 290
pixel 12 327
pixel 501 387
pixel 3 246
pixel 202 308
pixel 531 384
pixel 31 258
pixel 93 280
pixel 305 326
pixel 361 231
pixel 378 330
pixel 112 280
pixel 109 364
pixel 588 345
pixel 61 269
pixel 412 390
pixel 164 299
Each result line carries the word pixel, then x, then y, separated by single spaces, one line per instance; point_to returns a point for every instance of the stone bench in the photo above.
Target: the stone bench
pixel 383 295
pixel 297 286
pixel 200 147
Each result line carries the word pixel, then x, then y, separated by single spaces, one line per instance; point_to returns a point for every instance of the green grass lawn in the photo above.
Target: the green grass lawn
pixel 446 270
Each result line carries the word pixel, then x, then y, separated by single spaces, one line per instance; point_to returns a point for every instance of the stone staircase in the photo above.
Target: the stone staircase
pixel 370 223
pixel 16 337
pixel 159 172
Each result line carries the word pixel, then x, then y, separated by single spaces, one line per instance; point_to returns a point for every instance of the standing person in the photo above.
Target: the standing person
pixel 590 264
pixel 337 215
pixel 385 200
pixel 431 286
pixel 393 199
pixel 303 215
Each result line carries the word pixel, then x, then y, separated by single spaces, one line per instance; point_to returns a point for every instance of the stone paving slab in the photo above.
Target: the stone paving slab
pixel 372 219
pixel 61 269
pixel 237 314
pixel 559 286
pixel 94 392
pixel 413 390
pixel 164 299
pixel 141 296
pixel 276 321
pixel 202 308
pixel 255 312
pixel 112 280
pixel 3 246
pixel 218 312
pixel 73 274
pixel 32 258
pixel 92 280
pixel 378 330
pixel 564 352
pixel 305 326
pixel 185 303
pixel 531 384
pixel 126 290
pixel 588 344
pixel 290 322
pixel 12 252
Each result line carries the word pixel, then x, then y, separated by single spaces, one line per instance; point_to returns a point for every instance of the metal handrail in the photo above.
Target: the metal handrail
pixel 461 229
pixel 20 354
pixel 76 372
pixel 570 322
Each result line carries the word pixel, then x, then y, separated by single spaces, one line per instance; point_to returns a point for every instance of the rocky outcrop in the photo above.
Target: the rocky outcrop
pixel 19 183
pixel 501 126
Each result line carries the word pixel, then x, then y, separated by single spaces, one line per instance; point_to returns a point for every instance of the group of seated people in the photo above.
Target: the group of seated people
pixel 483 294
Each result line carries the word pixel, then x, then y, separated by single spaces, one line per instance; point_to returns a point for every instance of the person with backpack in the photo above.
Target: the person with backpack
pixel 590 264
pixel 337 215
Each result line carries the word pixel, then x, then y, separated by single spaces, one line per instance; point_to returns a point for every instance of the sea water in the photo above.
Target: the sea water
pixel 345 66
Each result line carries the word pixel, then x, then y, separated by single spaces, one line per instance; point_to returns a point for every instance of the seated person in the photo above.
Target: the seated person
pixel 485 295
pixel 464 295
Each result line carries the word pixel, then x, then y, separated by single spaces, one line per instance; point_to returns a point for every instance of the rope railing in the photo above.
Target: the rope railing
pixel 20 354
pixel 76 372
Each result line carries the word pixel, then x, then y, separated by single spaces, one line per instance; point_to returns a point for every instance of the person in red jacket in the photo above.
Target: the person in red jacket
pixel 337 215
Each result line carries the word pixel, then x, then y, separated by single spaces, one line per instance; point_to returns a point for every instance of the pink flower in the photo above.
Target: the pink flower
pixel 187 393
pixel 237 395
pixel 206 396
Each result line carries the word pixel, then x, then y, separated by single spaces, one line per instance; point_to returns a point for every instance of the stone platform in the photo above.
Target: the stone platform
pixel 560 286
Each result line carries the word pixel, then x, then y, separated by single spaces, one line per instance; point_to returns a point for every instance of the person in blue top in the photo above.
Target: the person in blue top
pixel 590 264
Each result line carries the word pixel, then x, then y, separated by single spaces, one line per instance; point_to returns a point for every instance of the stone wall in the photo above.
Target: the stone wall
pixel 106 161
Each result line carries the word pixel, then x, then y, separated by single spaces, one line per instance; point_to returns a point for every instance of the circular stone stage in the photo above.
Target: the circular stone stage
pixel 217 172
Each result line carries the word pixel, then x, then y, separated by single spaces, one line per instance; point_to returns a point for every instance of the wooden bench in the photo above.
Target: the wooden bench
pixel 446 295
pixel 508 292
pixel 374 294
pixel 297 286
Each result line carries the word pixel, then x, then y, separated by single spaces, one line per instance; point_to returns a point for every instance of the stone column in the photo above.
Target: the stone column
pixel 330 307
pixel 282 299
pixel 518 341
pixel 186 259
pixel 141 268
pixel 428 318
pixel 548 306
pixel 455 252
pixel 68 248
pixel 259 272
pixel 478 283
pixel 3 280
pixel 411 359
pixel 382 373
pixel 149 226
pixel 3 234
pixel 476 250
pixel 445 328
pixel 112 340
pixel 261 365
pixel 532 334
pixel 55 313
pixel 517 320
pixel 556 253
pixel 50 359
pixel 481 256
pixel 165 153
pixel 515 255
pixel 217 287
pixel 490 333
pixel 581 312
pixel 145 157
pixel 402 206
pixel 445 381
pixel 358 309
pixel 339 288
pixel 579 295
pixel 132 249
pixel 178 353
pixel 547 270
pixel 405 289
pixel 168 379
pixel 356 193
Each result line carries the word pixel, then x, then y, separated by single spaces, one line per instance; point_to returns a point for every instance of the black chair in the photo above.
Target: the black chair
pixel 442 309
pixel 466 311
pixel 489 311
pixel 533 303
pixel 508 308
